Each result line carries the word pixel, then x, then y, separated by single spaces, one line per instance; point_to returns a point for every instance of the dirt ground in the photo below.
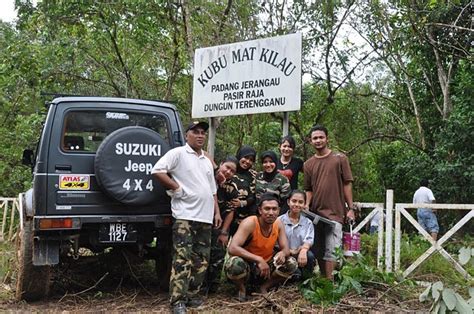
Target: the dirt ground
pixel 118 284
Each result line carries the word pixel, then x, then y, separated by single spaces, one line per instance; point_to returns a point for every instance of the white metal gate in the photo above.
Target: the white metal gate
pixel 9 206
pixel 436 246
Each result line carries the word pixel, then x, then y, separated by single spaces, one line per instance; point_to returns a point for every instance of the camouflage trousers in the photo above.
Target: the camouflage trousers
pixel 191 250
pixel 218 252
pixel 237 268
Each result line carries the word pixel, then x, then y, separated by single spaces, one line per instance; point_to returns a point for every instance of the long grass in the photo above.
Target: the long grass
pixel 7 270
pixel 435 268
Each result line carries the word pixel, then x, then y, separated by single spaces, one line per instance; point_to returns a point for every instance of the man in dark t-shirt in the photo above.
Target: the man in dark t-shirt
pixel 328 186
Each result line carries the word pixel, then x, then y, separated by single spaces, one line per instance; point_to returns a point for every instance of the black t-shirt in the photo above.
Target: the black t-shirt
pixel 291 170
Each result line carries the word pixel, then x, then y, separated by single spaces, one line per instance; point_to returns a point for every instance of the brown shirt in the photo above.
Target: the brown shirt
pixel 325 177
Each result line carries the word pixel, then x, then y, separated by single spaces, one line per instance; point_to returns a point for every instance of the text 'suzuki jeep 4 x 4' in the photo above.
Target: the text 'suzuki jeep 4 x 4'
pixel 92 185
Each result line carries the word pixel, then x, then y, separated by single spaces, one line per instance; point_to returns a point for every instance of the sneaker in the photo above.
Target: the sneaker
pixel 195 302
pixel 179 308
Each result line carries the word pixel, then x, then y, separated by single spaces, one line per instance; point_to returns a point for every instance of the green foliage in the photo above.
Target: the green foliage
pixel 354 275
pixel 446 299
pixel 7 265
pixel 466 254
pixel 402 167
pixel 23 135
pixel 144 49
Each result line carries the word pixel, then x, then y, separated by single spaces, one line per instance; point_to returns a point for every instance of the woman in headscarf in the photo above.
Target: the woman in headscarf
pixel 269 180
pixel 226 192
pixel 245 181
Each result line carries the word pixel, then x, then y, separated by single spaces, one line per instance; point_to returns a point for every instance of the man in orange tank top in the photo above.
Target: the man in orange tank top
pixel 252 250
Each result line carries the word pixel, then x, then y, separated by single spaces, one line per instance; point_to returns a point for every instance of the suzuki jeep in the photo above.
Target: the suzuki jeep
pixel 92 186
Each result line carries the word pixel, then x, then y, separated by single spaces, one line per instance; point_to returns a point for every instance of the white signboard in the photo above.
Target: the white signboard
pixel 248 77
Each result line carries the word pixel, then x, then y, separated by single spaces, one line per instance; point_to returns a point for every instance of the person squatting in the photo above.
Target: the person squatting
pixel 248 226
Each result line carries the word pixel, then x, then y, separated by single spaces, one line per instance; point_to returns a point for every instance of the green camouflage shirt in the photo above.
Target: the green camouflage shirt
pixel 226 193
pixel 245 182
pixel 279 186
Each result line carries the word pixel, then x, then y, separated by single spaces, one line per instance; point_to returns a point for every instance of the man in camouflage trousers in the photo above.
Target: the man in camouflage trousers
pixel 189 177
pixel 252 249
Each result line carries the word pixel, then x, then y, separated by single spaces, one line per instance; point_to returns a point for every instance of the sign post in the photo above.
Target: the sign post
pixel 257 76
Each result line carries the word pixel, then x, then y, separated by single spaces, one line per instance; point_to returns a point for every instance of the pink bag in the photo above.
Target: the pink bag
pixel 351 242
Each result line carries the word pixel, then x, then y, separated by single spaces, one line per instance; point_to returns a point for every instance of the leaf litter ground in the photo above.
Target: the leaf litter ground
pixel 121 282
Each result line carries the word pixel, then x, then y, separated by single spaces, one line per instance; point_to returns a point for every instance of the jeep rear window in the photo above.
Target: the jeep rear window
pixel 84 130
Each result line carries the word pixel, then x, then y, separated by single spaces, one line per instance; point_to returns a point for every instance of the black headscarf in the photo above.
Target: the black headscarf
pixel 269 176
pixel 244 151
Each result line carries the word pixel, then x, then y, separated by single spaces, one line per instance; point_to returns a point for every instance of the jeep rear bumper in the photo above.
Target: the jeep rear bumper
pixel 50 223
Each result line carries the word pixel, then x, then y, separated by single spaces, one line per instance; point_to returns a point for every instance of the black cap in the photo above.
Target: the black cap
pixel 194 124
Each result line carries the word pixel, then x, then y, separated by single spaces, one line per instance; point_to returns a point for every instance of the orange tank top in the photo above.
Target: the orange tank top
pixel 261 245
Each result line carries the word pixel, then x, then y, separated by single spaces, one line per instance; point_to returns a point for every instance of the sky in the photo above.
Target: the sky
pixel 7 10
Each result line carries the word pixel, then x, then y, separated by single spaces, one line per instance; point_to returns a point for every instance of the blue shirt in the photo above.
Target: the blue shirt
pixel 299 233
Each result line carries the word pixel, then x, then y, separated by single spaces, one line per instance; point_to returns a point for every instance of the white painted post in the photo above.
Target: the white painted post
pixel 398 233
pixel 380 235
pixel 4 221
pixel 286 123
pixel 20 209
pixel 388 233
pixel 211 142
pixel 12 220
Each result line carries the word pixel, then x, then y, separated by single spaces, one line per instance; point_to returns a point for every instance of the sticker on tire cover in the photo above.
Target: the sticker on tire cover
pixel 74 182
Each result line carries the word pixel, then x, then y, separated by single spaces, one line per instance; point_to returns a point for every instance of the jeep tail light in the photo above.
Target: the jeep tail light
pixel 55 223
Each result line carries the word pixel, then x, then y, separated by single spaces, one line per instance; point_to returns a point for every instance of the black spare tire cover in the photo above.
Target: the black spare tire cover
pixel 123 165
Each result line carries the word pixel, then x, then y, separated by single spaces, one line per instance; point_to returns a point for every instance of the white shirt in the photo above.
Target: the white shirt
pixel 374 222
pixel 423 195
pixel 195 175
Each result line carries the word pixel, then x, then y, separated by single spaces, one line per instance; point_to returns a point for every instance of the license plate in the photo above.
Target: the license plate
pixel 117 232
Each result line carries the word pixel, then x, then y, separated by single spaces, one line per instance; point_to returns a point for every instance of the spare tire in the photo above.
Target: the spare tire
pixel 123 165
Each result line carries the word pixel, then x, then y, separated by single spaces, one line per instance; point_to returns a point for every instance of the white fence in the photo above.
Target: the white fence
pixel 436 246
pixel 387 242
pixel 9 206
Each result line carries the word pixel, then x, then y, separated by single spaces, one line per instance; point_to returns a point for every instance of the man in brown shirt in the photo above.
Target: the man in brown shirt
pixel 328 186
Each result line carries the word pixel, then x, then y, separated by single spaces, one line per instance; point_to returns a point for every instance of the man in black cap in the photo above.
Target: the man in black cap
pixel 189 177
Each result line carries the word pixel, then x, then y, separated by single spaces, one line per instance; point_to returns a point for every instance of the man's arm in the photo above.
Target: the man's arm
pixel 217 213
pixel 166 181
pixel 309 197
pixel 347 189
pixel 284 252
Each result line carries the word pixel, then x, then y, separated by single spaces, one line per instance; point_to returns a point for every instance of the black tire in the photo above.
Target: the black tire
pixel 163 269
pixel 137 146
pixel 33 282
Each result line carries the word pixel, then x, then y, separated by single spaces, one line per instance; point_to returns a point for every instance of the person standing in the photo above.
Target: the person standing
pixel 245 180
pixel 289 165
pixel 426 216
pixel 269 180
pixel 188 176
pixel 328 186
pixel 374 223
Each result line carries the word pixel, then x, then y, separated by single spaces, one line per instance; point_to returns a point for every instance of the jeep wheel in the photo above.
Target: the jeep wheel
pixel 123 164
pixel 33 282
